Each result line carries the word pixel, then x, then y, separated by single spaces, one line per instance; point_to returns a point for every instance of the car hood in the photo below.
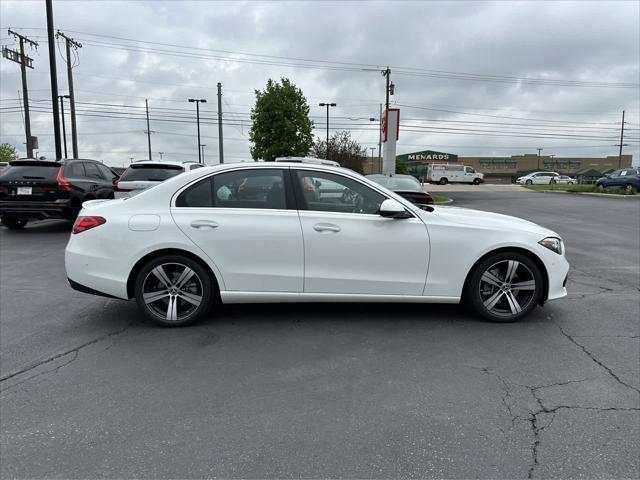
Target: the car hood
pixel 497 221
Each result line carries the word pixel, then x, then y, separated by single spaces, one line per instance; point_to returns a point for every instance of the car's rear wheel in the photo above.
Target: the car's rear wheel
pixel 504 287
pixel 552 182
pixel 174 290
pixel 443 181
pixel 630 188
pixel 14 223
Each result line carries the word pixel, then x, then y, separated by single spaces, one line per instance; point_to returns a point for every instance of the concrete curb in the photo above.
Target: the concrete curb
pixel 595 194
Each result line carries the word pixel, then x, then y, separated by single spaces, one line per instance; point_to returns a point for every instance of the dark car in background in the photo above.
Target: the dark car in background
pixel 406 186
pixel 627 178
pixel 38 189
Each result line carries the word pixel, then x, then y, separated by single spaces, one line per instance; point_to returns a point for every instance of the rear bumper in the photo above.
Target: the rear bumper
pixel 38 210
pixel 81 288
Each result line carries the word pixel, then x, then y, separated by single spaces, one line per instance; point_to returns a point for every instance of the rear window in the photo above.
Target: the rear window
pixel 31 171
pixel 150 173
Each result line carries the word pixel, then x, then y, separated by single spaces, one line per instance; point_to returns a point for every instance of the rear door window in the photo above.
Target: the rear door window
pixel 74 170
pixel 150 173
pixel 92 171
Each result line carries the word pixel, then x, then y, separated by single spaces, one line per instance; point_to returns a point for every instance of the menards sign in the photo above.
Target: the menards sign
pixel 427 156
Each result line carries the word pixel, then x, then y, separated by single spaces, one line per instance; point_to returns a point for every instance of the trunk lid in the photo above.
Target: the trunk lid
pixel 30 180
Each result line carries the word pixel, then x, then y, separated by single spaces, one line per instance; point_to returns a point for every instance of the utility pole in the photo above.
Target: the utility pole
pixel 161 153
pixel 220 143
pixel 70 42
pixel 327 105
pixel 539 150
pixel 373 149
pixel 621 141
pixel 146 104
pixel 24 61
pixel 390 86
pixel 202 148
pixel 380 133
pixel 197 101
pixel 53 72
pixel 64 128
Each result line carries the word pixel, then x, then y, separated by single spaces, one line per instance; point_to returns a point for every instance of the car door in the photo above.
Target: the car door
pixel 95 181
pixel 349 248
pixel 110 177
pixel 253 237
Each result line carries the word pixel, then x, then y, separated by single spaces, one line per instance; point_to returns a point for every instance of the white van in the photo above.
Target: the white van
pixel 444 173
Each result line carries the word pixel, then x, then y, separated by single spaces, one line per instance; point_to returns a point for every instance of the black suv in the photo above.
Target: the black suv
pixel 38 189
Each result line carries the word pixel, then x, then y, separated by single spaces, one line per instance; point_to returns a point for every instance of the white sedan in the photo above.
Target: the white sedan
pixel 265 232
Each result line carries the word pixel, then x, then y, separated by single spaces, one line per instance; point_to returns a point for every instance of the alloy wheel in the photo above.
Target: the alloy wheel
pixel 507 288
pixel 172 291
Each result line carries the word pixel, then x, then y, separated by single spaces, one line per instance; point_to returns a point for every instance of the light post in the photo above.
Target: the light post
pixel 161 153
pixel 197 102
pixel 323 104
pixel 64 129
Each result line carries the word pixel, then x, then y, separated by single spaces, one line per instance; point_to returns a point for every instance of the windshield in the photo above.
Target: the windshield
pixel 151 173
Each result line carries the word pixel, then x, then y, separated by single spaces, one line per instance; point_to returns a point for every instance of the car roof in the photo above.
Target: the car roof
pixel 163 163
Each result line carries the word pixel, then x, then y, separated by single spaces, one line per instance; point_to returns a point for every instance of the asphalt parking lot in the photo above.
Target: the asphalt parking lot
pixel 90 389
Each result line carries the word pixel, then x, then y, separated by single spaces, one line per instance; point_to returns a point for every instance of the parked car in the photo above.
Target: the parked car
pixel 444 173
pixel 407 186
pixel 118 170
pixel 38 189
pixel 538 178
pixel 627 178
pixel 142 175
pixel 565 180
pixel 181 247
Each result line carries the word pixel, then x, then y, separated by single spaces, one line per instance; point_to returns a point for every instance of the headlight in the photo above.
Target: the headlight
pixel 552 243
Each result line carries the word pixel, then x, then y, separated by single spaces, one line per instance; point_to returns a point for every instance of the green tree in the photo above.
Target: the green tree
pixel 401 167
pixel 281 125
pixel 342 149
pixel 8 152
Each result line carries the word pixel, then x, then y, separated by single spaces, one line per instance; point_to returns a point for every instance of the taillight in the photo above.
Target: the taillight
pixel 428 179
pixel 86 223
pixel 63 185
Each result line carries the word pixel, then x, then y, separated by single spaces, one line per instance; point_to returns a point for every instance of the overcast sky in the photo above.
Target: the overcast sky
pixel 570 45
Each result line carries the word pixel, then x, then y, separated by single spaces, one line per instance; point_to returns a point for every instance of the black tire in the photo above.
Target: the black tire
pixel 528 182
pixel 630 188
pixel 14 223
pixel 198 285
pixel 443 181
pixel 552 182
pixel 480 293
pixel 476 181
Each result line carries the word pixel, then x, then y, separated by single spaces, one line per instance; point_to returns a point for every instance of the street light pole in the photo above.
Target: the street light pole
pixel 64 129
pixel 197 102
pixel 327 105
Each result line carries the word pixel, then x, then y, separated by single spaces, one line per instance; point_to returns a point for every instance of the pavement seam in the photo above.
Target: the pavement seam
pixel 65 353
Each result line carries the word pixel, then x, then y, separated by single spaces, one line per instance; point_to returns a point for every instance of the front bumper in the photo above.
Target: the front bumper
pixel 38 210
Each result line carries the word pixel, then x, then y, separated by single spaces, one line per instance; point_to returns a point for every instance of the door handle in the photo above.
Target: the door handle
pixel 204 224
pixel 326 227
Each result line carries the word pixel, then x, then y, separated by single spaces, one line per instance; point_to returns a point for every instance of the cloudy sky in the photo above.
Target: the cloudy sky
pixel 472 78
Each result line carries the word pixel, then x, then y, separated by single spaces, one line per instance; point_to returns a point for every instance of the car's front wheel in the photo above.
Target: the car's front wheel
pixel 528 182
pixel 14 223
pixel 174 290
pixel 504 287
pixel 476 181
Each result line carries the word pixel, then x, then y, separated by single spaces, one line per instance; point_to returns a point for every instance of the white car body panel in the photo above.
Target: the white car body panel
pixel 258 255
pixel 537 179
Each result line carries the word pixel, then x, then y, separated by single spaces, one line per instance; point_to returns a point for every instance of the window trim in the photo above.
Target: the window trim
pixel 290 203
pixel 302 202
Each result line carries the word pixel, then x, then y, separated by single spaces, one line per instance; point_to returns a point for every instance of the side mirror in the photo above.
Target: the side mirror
pixel 393 209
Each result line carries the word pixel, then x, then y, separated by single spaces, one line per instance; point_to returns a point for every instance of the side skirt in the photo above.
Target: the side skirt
pixel 286 297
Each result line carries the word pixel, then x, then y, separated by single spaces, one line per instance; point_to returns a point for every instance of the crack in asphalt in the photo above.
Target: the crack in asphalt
pixel 75 350
pixel 589 274
pixel 54 370
pixel 594 358
pixel 533 419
